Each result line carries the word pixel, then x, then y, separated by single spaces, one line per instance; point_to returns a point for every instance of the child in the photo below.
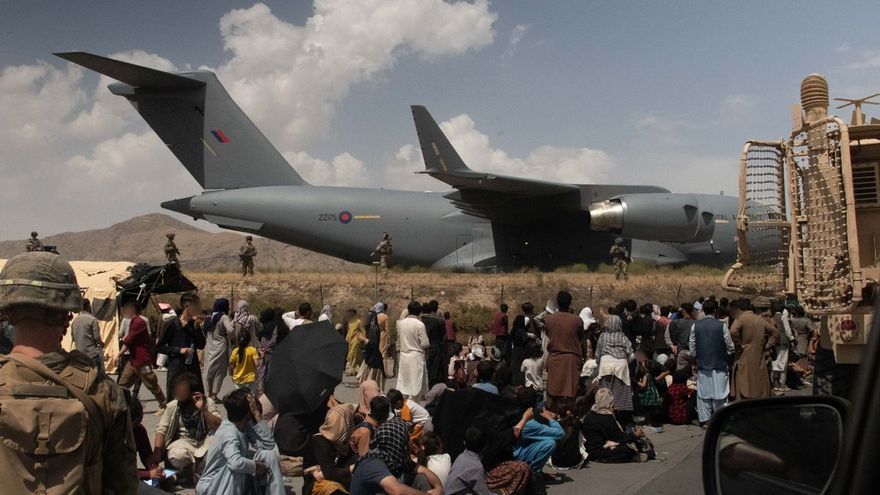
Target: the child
pixel 533 368
pixel 243 363
pixel 458 359
pixel 679 395
pixel 431 455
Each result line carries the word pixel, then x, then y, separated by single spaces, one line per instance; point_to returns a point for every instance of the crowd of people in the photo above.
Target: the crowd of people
pixel 554 388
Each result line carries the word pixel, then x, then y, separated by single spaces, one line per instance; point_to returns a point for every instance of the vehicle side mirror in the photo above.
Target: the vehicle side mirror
pixel 780 445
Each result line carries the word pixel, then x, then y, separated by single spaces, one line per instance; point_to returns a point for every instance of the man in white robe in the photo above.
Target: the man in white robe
pixel 412 340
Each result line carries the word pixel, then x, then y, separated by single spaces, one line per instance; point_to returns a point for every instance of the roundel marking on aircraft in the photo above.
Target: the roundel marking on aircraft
pixel 345 216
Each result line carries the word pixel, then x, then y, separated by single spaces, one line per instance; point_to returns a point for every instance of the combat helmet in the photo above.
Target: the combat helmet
pixel 170 235
pixel 249 238
pixel 34 234
pixel 618 240
pixel 40 279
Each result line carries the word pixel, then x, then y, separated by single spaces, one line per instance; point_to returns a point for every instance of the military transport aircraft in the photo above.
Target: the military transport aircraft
pixel 487 221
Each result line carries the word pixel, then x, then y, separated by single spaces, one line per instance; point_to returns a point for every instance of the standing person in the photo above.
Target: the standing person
pixel 710 345
pixel 326 314
pixel 451 331
pixel 243 453
pixel 519 340
pixel 302 316
pixel 182 338
pixel 620 258
pixel 779 375
pixel 86 335
pixel 244 321
pixel 373 367
pixel 384 250
pixel 130 310
pixel 437 357
pixel 34 244
pixel 500 329
pixel 218 330
pixel 386 346
pixel 680 334
pixel 756 337
pixel 614 352
pixel 355 338
pixel 662 339
pixel 412 340
pixel 270 320
pixel 37 295
pixel 172 254
pixel 243 363
pixel 139 366
pixel 246 254
pixel 803 330
pixel 565 331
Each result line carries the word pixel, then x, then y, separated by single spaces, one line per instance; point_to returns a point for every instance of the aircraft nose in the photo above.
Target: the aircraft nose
pixel 182 205
pixel 607 215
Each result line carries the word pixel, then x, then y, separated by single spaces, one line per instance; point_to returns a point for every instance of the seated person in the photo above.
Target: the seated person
pixel 387 461
pixel 242 455
pixel 538 433
pixel 605 440
pixel 329 463
pixel 151 469
pixel 362 434
pixel 679 396
pixel 467 475
pixel 485 374
pixel 186 427
pixel 410 411
pixel 430 454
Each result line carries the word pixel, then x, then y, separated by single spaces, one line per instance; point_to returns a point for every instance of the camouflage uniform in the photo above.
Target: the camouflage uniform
pixel 620 256
pixel 246 255
pixel 59 397
pixel 384 250
pixel 172 254
pixel 34 244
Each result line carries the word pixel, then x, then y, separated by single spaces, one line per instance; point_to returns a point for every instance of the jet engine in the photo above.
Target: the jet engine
pixel 665 217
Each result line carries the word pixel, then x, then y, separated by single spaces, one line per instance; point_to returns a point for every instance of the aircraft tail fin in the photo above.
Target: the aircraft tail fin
pixel 439 154
pixel 199 122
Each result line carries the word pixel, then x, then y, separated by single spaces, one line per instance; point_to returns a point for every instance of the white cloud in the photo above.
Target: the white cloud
pixel 869 60
pixel 516 35
pixel 76 156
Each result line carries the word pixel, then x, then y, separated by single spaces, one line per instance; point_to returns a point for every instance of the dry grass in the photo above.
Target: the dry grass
pixel 469 297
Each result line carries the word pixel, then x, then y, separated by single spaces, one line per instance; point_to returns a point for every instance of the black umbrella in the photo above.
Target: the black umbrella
pixel 305 368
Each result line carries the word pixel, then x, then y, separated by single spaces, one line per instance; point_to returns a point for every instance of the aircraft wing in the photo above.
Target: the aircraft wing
pixel 443 163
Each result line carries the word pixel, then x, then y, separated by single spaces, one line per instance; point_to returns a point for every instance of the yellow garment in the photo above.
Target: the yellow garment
pixel 244 370
pixel 353 337
pixel 327 487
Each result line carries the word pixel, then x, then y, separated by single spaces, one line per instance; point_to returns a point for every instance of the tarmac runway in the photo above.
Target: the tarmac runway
pixel 675 471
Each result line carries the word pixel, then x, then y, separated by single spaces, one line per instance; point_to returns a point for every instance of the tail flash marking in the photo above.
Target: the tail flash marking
pixel 219 136
pixel 208 147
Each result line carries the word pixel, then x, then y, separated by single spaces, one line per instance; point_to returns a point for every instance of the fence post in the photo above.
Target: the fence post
pixel 321 288
pixel 591 296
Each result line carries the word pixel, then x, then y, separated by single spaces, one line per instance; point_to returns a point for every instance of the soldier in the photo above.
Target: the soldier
pixel 621 259
pixel 246 256
pixel 384 250
pixel 34 244
pixel 172 254
pixel 40 381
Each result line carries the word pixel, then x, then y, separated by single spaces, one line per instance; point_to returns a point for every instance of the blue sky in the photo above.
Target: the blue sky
pixel 633 92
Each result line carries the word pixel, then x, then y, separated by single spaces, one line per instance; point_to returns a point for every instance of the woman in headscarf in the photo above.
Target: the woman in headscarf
pixel 373 367
pixel 326 313
pixel 355 337
pixel 218 329
pixel 270 322
pixel 614 352
pixel 366 391
pixel 244 321
pixel 519 338
pixel 363 431
pixel 327 470
pixel 605 439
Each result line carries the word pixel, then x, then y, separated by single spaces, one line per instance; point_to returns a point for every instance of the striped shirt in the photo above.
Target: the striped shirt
pixel 614 344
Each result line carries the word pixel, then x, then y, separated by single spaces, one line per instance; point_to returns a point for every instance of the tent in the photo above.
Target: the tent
pixel 96 279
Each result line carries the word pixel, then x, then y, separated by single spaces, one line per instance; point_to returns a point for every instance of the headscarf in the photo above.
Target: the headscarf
pixel 586 315
pixel 379 308
pixel 551 306
pixel 604 403
pixel 655 312
pixel 267 319
pixel 435 393
pixel 337 427
pixel 326 313
pixel 367 390
pixel 243 313
pixel 613 324
pixel 221 307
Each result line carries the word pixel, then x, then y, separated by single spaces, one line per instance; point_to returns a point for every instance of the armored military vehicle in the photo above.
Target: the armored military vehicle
pixel 808 226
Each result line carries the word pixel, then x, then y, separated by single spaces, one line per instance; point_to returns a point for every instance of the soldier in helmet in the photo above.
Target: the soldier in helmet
pixel 621 259
pixel 34 244
pixel 52 397
pixel 172 254
pixel 384 250
pixel 246 256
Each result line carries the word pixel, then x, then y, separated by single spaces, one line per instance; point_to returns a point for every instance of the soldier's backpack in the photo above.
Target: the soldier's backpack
pixel 47 427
